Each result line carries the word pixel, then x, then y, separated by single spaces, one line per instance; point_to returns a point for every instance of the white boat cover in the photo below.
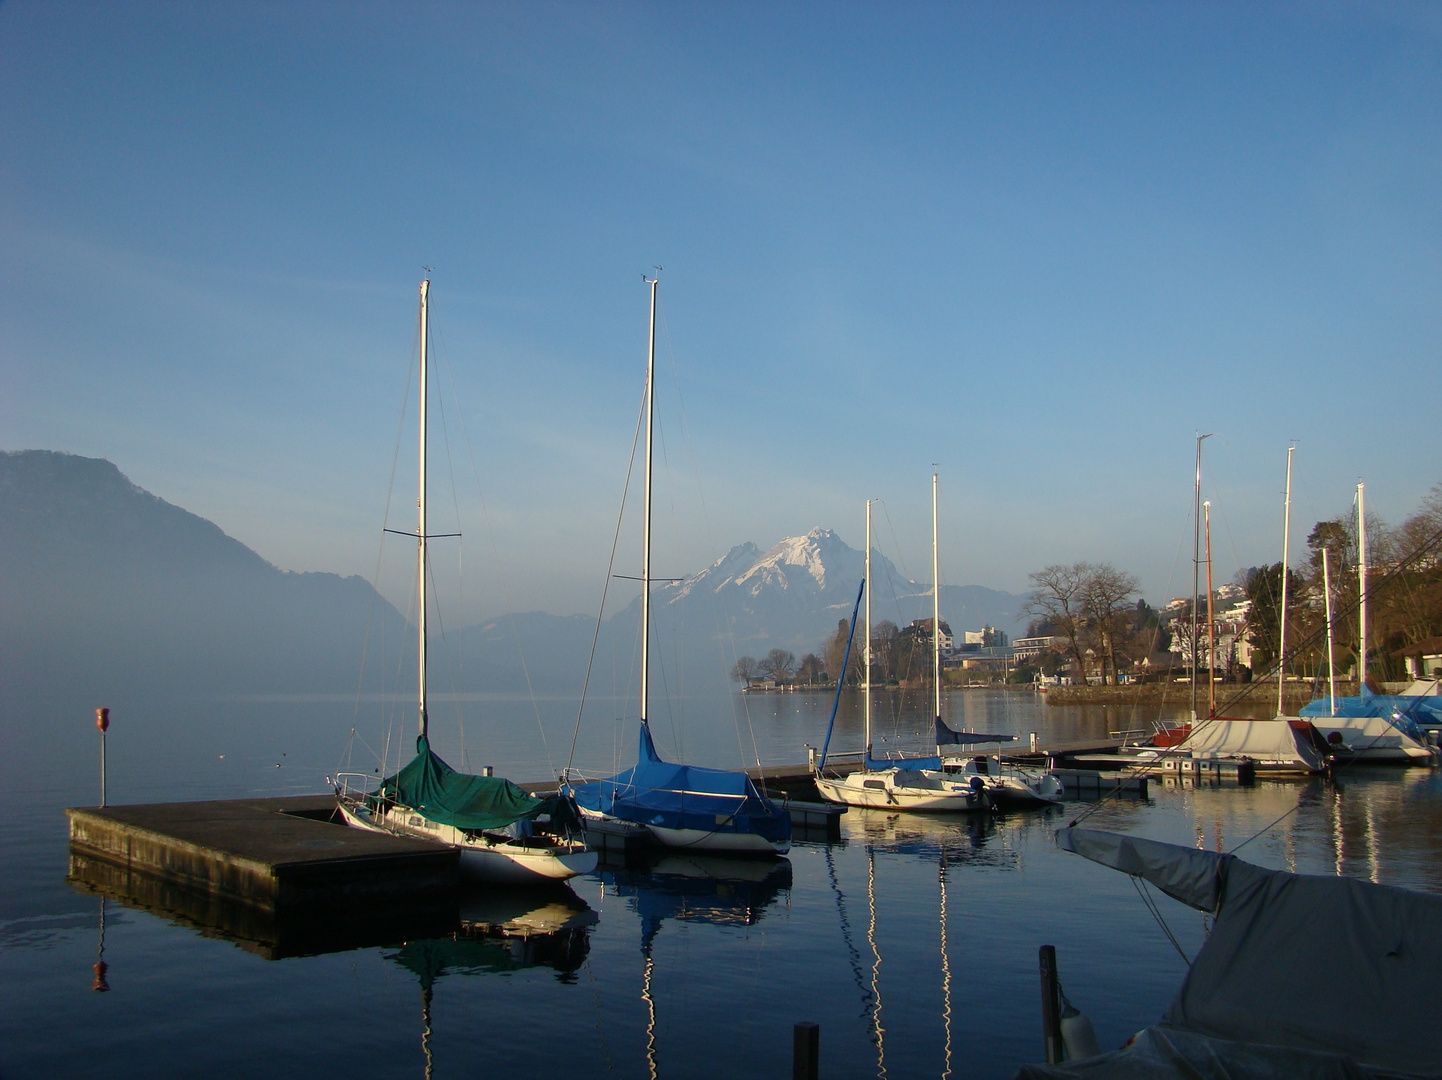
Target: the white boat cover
pixel 1169 1052
pixel 1296 963
pixel 1270 743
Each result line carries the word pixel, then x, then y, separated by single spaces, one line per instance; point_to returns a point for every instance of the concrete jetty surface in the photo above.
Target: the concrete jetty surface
pixel 271 854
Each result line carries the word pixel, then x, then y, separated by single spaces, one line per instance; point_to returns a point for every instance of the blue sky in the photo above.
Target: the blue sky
pixel 1040 245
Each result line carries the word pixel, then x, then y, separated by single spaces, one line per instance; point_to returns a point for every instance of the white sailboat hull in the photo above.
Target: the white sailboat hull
pixel 903 789
pixel 1371 738
pixel 1009 785
pixel 725 842
pixel 490 858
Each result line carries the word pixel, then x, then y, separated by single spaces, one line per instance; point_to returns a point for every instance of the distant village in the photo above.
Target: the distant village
pixel 1087 625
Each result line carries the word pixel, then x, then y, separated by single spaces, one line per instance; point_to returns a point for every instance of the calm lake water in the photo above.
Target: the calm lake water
pixel 912 942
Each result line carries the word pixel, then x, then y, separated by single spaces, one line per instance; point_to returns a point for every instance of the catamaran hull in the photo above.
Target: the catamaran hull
pixel 889 797
pixel 491 863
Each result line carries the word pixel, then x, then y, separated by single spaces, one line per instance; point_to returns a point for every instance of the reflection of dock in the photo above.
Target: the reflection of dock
pixel 277 859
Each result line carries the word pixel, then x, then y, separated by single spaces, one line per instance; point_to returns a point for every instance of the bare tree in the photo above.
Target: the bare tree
pixel 746 669
pixel 1106 606
pixel 779 664
pixel 1058 596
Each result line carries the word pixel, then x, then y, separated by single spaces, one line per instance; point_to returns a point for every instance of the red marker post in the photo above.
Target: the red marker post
pixel 102 721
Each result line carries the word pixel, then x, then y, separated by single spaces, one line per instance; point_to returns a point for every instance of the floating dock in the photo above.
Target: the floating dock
pixel 266 854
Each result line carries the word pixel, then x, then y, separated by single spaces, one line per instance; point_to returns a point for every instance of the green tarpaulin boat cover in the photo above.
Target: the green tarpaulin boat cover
pixel 427 784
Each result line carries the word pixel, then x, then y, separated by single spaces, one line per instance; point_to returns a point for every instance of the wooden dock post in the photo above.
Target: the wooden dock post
pixel 805 1048
pixel 1050 1006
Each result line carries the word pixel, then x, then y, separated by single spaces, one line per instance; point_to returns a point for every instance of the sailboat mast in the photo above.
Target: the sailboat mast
pixel 1331 660
pixel 935 605
pixel 1282 618
pixel 1196 566
pixel 1361 588
pixel 646 514
pixel 1211 620
pixel 866 644
pixel 421 523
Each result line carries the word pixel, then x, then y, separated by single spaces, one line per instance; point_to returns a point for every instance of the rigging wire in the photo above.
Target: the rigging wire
pixel 502 586
pixel 1145 893
pixel 606 586
pixel 380 557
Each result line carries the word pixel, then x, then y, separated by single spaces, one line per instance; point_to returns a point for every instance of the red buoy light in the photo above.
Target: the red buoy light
pixel 102 718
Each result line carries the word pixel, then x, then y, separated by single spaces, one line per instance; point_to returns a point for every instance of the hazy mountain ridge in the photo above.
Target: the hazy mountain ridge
pixel 107 585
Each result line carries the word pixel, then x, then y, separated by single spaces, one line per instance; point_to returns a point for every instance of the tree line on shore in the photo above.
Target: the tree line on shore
pixel 1100 629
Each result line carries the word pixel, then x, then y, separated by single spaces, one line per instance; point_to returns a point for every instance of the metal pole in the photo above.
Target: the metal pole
pixel 1361 589
pixel 805 1047
pixel 935 604
pixel 1331 660
pixel 1282 617
pixel 1211 621
pixel 421 522
pixel 1051 1006
pixel 102 721
pixel 646 514
pixel 1196 565
pixel 866 641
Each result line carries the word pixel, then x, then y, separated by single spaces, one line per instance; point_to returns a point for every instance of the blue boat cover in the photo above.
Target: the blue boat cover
pixel 671 796
pixel 1405 711
pixel 431 787
pixel 879 764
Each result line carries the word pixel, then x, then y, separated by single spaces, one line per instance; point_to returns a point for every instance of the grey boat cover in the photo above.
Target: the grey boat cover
pixel 1304 963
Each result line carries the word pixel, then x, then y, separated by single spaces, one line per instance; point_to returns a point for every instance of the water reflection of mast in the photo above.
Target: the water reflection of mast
pixel 426 1031
pixel 648 967
pixel 878 1033
pixel 945 976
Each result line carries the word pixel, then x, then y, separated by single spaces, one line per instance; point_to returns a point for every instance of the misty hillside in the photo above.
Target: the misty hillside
pixel 107 586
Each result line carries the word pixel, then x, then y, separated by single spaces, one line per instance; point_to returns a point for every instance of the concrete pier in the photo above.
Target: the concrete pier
pixel 268 854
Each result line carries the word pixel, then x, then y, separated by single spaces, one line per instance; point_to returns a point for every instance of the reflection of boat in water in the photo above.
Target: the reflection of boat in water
pixel 506 930
pixel 501 931
pixel 724 891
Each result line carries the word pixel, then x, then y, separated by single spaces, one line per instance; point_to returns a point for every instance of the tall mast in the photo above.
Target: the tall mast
pixel 935 605
pixel 421 523
pixel 1282 619
pixel 1331 660
pixel 1361 588
pixel 1196 565
pixel 646 514
pixel 866 653
pixel 1211 620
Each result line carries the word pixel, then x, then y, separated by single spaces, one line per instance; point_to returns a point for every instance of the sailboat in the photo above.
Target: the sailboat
pixel 505 835
pixel 1005 784
pixel 1283 745
pixel 896 784
pixel 1372 727
pixel 683 806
